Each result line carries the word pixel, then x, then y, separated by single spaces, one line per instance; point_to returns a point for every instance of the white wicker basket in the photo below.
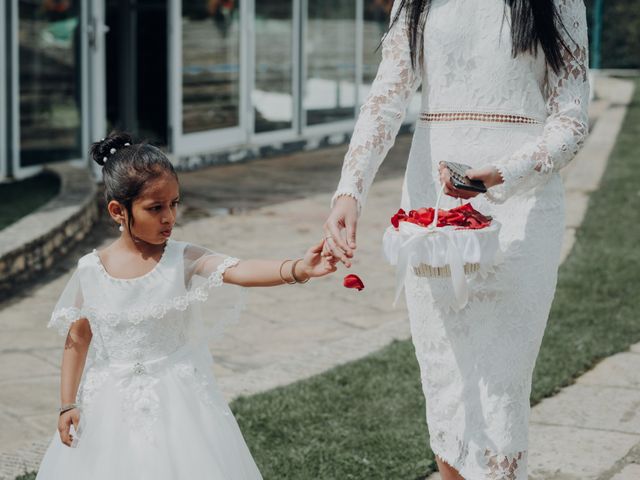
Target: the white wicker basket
pixel 447 251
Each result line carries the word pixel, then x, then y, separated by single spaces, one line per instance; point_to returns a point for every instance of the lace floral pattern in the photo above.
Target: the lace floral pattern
pixel 62 318
pixel 476 364
pixel 567 124
pixel 140 402
pixel 146 328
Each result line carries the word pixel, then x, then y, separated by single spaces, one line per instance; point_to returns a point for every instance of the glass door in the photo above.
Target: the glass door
pixel 49 83
pixel 208 107
pixel 136 63
pixel 332 57
pixel 275 68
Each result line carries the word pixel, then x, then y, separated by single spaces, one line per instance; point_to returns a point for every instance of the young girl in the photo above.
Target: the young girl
pixel 146 406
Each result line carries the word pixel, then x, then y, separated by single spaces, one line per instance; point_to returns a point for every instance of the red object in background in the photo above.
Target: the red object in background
pixel 464 216
pixel 353 281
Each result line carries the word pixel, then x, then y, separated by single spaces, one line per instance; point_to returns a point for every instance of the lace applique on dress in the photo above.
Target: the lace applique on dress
pixel 504 467
pixel 567 124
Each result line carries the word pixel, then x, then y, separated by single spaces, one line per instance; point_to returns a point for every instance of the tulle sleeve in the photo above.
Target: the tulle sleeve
pixel 214 304
pixel 70 305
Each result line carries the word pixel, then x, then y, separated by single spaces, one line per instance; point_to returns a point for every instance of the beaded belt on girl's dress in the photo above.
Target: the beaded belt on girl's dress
pixel 477 117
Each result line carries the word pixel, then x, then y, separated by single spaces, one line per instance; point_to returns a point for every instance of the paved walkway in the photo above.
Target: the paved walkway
pixel 289 334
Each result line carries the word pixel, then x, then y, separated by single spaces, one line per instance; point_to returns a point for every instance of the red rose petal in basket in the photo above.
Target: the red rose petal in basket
pixel 395 220
pixel 353 281
pixel 463 216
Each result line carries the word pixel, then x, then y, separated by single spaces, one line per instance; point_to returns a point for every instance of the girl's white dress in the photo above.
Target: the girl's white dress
pixel 150 407
pixel 480 106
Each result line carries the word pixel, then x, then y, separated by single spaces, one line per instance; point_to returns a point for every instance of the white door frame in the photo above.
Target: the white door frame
pixel 3 97
pixel 19 171
pixel 340 126
pixel 210 140
pixel 286 133
pixel 96 32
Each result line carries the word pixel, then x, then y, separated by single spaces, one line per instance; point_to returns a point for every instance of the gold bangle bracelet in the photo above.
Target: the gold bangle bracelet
pixel 282 276
pixel 293 272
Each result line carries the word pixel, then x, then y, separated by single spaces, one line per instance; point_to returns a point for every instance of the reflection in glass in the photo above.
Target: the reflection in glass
pixel 377 14
pixel 210 64
pixel 272 96
pixel 50 81
pixel 330 86
pixel 376 21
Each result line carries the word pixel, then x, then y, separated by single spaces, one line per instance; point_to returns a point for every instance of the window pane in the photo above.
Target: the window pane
pixel 210 64
pixel 50 81
pixel 273 92
pixel 376 21
pixel 377 14
pixel 331 53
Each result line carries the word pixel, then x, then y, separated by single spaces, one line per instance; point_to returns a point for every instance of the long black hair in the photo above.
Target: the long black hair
pixel 533 23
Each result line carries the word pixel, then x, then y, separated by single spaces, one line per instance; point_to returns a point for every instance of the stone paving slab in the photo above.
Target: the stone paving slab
pixel 564 452
pixel 630 472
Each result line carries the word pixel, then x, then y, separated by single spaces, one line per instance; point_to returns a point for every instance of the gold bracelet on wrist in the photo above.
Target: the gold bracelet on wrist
pixel 293 272
pixel 282 276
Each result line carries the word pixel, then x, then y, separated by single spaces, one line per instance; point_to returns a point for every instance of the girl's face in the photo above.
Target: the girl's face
pixel 154 210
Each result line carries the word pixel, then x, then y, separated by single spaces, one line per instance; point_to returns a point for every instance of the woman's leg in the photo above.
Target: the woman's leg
pixel 447 472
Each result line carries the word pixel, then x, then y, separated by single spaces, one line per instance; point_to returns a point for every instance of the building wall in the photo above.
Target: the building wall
pixel 209 80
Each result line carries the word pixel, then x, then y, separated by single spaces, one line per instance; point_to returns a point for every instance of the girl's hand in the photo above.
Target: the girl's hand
pixel 314 264
pixel 64 425
pixel 488 175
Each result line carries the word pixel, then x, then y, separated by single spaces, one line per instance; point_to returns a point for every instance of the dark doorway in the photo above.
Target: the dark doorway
pixel 137 56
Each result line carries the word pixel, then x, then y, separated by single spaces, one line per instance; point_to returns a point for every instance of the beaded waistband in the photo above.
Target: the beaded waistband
pixel 477 117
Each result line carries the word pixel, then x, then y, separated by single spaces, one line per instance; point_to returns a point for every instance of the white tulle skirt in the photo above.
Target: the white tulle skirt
pixel 159 420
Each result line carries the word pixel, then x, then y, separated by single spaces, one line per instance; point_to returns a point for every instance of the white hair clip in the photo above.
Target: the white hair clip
pixel 112 151
pixel 127 144
pixel 104 160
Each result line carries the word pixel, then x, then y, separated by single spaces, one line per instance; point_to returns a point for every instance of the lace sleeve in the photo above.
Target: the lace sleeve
pixel 567 124
pixel 382 113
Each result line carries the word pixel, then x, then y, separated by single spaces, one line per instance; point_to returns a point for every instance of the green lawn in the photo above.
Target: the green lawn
pixel 22 197
pixel 365 420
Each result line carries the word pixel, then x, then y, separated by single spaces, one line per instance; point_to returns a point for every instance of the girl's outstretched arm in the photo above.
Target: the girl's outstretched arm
pixel 74 356
pixel 269 273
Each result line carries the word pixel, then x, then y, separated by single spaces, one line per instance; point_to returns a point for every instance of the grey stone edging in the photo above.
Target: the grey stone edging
pixel 32 244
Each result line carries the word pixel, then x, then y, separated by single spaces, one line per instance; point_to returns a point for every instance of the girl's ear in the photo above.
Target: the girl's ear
pixel 117 212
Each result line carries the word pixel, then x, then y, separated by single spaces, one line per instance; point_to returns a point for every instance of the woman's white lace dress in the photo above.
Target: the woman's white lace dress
pixel 481 106
pixel 150 407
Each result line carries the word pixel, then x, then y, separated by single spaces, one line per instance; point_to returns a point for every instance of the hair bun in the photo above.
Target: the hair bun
pixel 108 146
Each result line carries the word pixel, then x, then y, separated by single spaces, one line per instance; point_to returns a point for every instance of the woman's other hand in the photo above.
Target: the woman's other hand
pixel 71 417
pixel 343 218
pixel 488 175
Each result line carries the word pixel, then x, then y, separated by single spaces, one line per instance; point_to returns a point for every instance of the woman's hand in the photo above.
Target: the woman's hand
pixel 314 264
pixel 64 425
pixel 487 175
pixel 343 216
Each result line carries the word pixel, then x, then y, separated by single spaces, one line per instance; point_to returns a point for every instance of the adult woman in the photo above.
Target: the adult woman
pixel 505 90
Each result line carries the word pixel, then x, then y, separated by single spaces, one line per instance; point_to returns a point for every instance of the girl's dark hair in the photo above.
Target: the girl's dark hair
pixel 127 167
pixel 533 23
